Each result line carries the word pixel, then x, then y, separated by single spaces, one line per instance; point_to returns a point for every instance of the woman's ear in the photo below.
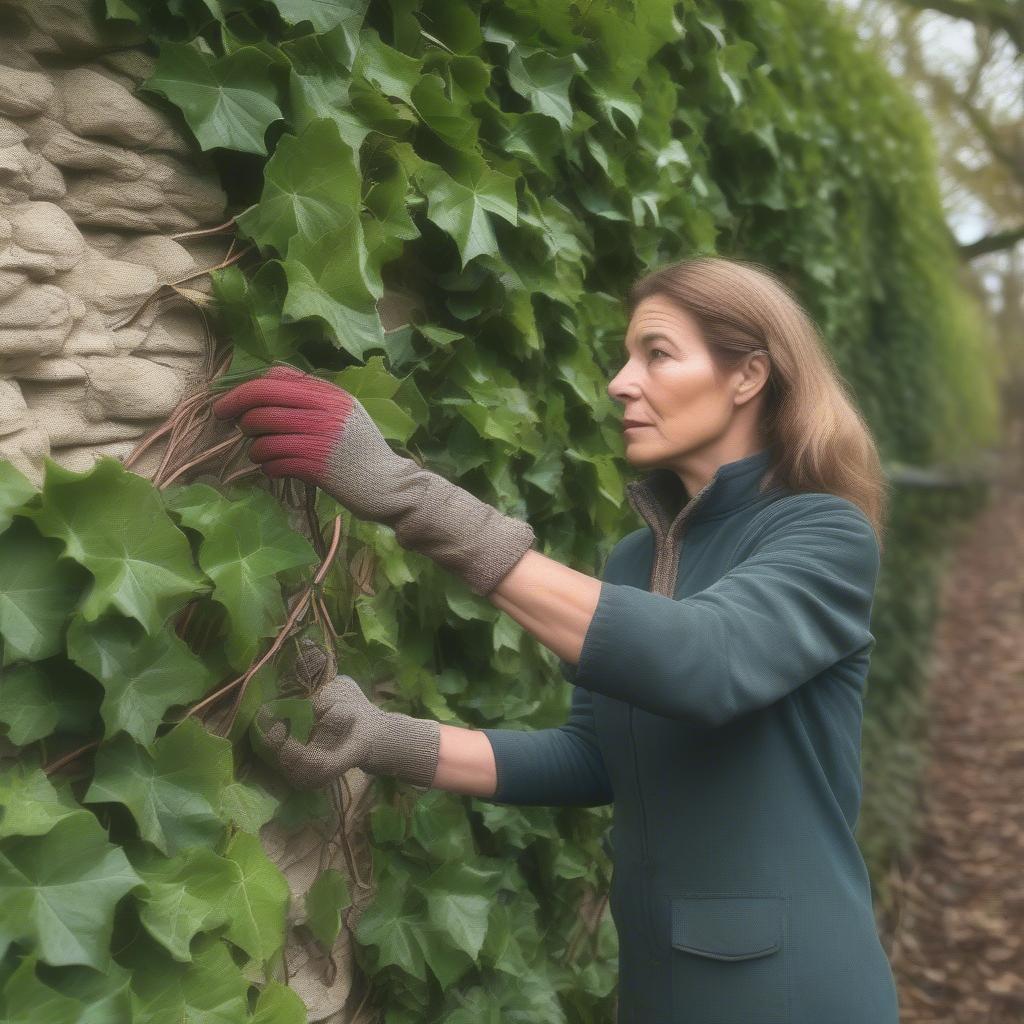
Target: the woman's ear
pixel 754 374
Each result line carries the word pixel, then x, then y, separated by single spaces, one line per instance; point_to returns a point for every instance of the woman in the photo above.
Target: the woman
pixel 719 664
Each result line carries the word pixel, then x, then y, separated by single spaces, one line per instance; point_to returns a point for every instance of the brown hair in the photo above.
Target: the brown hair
pixel 820 441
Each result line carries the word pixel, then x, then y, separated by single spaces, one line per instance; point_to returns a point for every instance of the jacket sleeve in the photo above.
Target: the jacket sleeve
pixel 559 767
pixel 797 604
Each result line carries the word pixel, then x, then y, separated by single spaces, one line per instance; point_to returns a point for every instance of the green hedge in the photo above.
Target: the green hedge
pixel 515 166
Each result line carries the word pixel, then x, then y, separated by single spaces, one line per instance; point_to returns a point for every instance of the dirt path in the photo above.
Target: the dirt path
pixel 958 946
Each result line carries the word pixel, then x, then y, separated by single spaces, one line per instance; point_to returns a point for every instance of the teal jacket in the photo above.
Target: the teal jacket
pixel 718 704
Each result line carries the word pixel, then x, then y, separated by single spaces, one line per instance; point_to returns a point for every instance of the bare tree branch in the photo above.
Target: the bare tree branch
pixel 980 12
pixel 996 242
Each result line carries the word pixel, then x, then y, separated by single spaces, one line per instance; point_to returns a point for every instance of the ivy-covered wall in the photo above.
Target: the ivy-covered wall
pixel 513 167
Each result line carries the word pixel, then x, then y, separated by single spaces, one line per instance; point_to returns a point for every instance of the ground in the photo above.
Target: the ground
pixel 957 948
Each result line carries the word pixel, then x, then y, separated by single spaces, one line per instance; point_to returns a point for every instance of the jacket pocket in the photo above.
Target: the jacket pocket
pixel 729 963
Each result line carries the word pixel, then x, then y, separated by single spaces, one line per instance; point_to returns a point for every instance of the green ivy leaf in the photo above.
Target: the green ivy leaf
pixel 258 898
pixel 328 278
pixel 228 101
pixel 174 793
pixel 440 825
pixel 279 1004
pixel 141 562
pixel 26 704
pixel 209 990
pixel 393 931
pixel 311 185
pixel 15 491
pixel 460 207
pixel 394 73
pixel 378 618
pixel 37 593
pixel 246 544
pixel 324 902
pixel 103 998
pixel 543 79
pixel 376 389
pixel 26 1000
pixel 250 310
pixel 324 14
pixel 60 890
pixel 247 806
pixel 183 896
pixel 452 118
pixel 459 897
pixel 30 805
pixel 142 675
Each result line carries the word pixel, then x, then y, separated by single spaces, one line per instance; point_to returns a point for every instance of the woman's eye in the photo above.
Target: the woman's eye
pixel 662 351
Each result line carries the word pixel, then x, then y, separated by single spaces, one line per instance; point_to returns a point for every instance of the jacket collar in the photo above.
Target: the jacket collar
pixel 660 498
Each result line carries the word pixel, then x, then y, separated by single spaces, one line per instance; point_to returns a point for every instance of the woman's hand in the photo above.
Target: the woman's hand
pixel 352 732
pixel 312 429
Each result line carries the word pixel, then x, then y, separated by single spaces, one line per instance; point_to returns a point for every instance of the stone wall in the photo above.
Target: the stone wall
pixel 94 183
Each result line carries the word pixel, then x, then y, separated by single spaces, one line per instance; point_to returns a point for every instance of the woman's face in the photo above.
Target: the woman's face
pixel 670 385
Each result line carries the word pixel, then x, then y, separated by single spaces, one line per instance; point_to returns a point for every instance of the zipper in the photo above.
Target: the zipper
pixel 668 545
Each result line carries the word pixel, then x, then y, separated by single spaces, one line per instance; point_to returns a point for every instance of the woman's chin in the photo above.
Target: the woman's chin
pixel 639 459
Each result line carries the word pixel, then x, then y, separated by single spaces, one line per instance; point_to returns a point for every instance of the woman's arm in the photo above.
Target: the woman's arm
pixel 795 606
pixel 551 601
pixel 559 767
pixel 465 762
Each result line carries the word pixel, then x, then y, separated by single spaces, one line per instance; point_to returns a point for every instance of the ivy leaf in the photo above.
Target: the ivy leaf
pixel 228 101
pixel 393 931
pixel 452 118
pixel 378 618
pixel 319 82
pixel 328 278
pixel 242 551
pixel 257 900
pixel 30 805
pixel 324 14
pixel 441 827
pixel 460 207
pixel 324 902
pixel 394 73
pixel 26 704
pixel 279 1004
pixel 142 675
pixel 250 309
pixel 310 185
pixel 198 506
pixel 174 793
pixel 37 593
pixel 15 490
pixel 26 1000
pixel 459 897
pixel 103 998
pixel 183 896
pixel 376 389
pixel 209 990
pixel 60 889
pixel 543 79
pixel 249 807
pixel 113 523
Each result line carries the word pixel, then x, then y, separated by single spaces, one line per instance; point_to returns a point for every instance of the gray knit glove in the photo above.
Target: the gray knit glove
pixel 315 431
pixel 351 731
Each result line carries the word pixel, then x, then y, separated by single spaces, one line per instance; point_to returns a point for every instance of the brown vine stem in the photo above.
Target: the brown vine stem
pixel 55 766
pixel 181 280
pixel 205 231
pixel 242 681
pixel 176 424
pixel 235 441
pixel 167 425
pixel 244 471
